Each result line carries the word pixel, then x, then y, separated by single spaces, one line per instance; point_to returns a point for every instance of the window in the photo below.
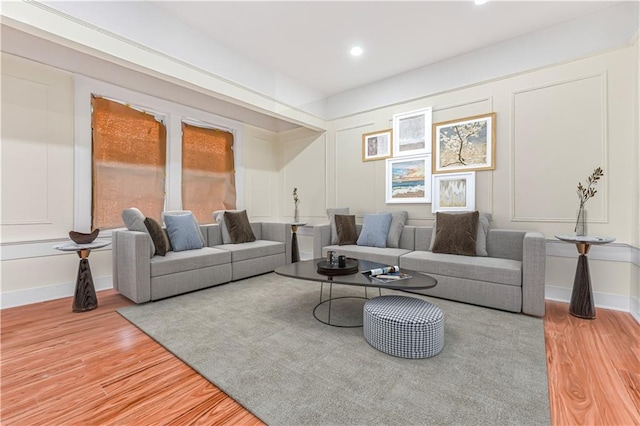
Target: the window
pixel 128 162
pixel 208 175
pixel 172 116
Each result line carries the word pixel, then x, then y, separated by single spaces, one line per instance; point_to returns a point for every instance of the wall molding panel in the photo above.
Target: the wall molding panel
pixel 590 96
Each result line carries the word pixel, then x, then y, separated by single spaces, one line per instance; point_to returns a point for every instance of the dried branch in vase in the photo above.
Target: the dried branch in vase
pixel 584 193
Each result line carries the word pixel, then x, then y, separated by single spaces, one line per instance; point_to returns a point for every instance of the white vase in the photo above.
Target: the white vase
pixel 295 214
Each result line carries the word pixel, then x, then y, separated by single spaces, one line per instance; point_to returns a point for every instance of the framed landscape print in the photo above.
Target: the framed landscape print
pixel 465 144
pixel 412 133
pixel 454 192
pixel 408 179
pixel 377 145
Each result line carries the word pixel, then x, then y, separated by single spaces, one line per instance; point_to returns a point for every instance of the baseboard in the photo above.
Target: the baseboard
pixel 635 309
pixel 601 300
pixel 42 294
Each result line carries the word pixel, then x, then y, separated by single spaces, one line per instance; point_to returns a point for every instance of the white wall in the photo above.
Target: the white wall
pixel 554 126
pixel 37 184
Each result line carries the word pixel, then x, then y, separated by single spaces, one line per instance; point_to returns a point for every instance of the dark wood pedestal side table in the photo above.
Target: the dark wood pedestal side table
pixel 295 252
pixel 84 297
pixel 582 305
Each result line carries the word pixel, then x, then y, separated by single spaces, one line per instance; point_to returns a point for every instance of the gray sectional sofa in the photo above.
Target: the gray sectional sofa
pixel 510 278
pixel 142 278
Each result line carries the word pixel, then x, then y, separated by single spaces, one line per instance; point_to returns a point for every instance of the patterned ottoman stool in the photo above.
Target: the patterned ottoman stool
pixel 402 326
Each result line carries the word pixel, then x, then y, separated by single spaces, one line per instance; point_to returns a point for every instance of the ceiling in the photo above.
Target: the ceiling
pixel 310 41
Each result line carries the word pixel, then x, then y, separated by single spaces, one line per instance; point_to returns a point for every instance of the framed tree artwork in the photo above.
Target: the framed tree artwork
pixel 377 145
pixel 454 192
pixel 408 179
pixel 465 144
pixel 412 133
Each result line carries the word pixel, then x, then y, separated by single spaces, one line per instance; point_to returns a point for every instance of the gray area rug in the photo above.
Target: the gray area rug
pixel 258 341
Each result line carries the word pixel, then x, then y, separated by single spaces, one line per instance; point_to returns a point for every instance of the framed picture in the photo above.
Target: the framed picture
pixel 465 144
pixel 409 179
pixel 454 192
pixel 412 133
pixel 377 145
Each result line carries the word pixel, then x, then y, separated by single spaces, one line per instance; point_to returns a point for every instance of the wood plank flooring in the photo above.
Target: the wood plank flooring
pixel 95 368
pixel 593 367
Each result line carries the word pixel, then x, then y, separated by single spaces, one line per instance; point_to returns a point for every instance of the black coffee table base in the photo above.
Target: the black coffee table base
pixel 330 299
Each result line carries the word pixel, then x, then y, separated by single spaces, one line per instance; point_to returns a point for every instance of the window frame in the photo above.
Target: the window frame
pixel 172 113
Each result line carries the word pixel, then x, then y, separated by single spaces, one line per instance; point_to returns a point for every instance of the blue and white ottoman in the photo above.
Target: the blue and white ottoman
pixel 402 326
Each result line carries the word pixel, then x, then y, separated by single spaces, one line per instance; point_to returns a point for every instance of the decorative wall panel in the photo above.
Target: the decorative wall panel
pixel 558 137
pixel 25 161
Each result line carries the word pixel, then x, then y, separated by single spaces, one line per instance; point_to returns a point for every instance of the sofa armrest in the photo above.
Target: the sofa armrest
pixel 131 264
pixel 534 256
pixel 281 232
pixel 321 238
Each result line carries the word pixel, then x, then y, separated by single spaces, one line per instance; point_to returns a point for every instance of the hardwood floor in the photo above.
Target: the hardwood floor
pixel 593 367
pixel 66 368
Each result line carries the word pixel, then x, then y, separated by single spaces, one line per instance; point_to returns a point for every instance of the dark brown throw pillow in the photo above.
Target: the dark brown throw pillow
pixel 346 229
pixel 239 227
pixel 456 233
pixel 158 236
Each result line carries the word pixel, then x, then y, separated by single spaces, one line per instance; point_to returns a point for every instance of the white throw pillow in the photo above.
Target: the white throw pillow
pixel 134 221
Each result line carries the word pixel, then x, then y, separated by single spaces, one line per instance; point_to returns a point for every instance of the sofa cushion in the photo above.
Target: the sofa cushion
pixel 239 227
pixel 456 233
pixel 183 212
pixel 184 232
pixel 182 261
pixel 159 237
pixel 398 221
pixel 388 256
pixel 481 237
pixel 218 216
pixel 252 250
pixel 375 228
pixel 490 269
pixel 331 213
pixel 346 229
pixel 134 221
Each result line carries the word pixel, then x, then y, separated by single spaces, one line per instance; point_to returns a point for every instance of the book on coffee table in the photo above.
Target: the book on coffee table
pixel 390 277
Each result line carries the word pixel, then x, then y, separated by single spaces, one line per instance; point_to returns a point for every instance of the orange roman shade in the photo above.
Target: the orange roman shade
pixel 208 174
pixel 129 158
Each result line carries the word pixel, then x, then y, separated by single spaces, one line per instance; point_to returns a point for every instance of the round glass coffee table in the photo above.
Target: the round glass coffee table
pixel 308 270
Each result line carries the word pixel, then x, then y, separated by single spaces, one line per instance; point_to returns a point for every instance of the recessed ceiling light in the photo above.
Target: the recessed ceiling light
pixel 356 51
pixel 479 2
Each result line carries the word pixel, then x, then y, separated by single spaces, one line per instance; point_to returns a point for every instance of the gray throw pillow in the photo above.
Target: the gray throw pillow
pixel 481 237
pixel 331 213
pixel 239 227
pixel 398 221
pixel 218 216
pixel 160 240
pixel 346 229
pixel 134 221
pixel 183 212
pixel 375 228
pixel 456 233
pixel 184 232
